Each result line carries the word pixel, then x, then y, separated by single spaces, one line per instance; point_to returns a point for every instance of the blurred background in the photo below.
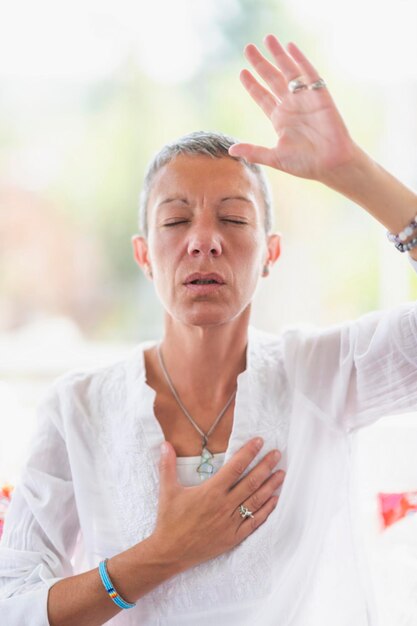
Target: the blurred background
pixel 90 91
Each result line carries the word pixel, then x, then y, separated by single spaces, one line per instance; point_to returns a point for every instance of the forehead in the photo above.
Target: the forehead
pixel 197 175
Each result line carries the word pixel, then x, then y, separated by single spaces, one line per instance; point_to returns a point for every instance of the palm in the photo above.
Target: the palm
pixel 312 138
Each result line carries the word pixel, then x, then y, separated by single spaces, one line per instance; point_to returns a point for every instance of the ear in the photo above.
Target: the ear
pixel 141 254
pixel 273 248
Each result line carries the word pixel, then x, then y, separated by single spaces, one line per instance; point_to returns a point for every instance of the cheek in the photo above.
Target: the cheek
pixel 163 253
pixel 248 267
pixel 252 253
pixel 165 258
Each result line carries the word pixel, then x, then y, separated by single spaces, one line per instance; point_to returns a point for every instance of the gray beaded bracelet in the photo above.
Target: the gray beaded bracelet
pixel 405 247
pixel 404 234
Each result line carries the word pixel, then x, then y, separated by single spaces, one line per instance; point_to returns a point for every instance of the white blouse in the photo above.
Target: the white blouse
pixel 89 487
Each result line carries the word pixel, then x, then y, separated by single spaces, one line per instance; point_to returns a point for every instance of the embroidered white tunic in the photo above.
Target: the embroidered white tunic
pixel 89 487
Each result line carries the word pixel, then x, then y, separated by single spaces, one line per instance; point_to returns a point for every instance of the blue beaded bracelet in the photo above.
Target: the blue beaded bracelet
pixel 102 568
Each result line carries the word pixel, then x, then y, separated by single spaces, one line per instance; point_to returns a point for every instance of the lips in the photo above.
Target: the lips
pixel 199 276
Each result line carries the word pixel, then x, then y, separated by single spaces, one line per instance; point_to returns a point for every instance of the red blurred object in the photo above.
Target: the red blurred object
pixel 5 497
pixel 395 506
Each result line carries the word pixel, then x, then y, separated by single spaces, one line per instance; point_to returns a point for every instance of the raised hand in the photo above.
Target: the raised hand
pixel 312 139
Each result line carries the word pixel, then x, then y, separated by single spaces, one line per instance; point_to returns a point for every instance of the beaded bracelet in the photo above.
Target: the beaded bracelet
pixel 404 247
pixel 404 234
pixel 102 568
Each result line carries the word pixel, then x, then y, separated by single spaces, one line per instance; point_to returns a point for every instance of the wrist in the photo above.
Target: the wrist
pixel 368 184
pixel 163 556
pixel 139 569
pixel 347 177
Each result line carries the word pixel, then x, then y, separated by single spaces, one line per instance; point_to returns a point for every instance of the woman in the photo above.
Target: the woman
pixel 214 546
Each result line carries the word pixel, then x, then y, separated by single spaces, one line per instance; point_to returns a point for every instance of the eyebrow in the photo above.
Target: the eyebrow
pixel 237 198
pixel 185 201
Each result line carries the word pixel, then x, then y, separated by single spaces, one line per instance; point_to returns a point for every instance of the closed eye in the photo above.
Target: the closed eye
pixel 175 223
pixel 224 220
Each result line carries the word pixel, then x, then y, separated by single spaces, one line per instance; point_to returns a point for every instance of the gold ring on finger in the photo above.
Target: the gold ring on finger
pixel 244 512
pixel 296 85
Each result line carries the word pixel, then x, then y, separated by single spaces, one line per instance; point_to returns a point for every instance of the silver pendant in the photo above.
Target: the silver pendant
pixel 206 468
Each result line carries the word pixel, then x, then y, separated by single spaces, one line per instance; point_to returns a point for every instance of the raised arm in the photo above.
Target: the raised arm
pixel 312 140
pixel 354 373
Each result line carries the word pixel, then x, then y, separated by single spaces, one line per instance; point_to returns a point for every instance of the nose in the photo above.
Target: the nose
pixel 204 241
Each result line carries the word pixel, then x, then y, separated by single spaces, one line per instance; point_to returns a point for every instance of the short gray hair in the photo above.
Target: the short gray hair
pixel 213 144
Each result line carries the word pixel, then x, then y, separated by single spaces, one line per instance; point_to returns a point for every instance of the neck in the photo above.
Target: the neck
pixel 204 362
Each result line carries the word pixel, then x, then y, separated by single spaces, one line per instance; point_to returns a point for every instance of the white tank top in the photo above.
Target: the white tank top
pixel 187 468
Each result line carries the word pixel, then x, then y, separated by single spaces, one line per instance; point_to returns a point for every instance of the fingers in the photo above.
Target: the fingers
pixel 262 96
pixel 271 74
pixel 262 501
pixel 246 490
pixel 233 470
pixel 308 71
pixel 263 494
pixel 253 153
pixel 167 469
pixel 285 63
pixel 289 64
pixel 250 524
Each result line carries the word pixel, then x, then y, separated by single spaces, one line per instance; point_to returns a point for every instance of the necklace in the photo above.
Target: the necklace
pixel 205 468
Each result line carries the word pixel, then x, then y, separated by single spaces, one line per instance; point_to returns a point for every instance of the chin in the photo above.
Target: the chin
pixel 204 321
pixel 203 317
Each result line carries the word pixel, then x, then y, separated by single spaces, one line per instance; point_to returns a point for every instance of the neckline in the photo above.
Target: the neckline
pixel 151 426
pixel 192 460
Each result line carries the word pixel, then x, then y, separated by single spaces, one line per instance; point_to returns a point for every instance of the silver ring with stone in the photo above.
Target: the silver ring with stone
pixel 318 84
pixel 244 512
pixel 296 85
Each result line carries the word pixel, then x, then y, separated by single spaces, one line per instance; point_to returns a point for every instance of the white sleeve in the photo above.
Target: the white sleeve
pixel 357 372
pixel 41 524
pixel 413 262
